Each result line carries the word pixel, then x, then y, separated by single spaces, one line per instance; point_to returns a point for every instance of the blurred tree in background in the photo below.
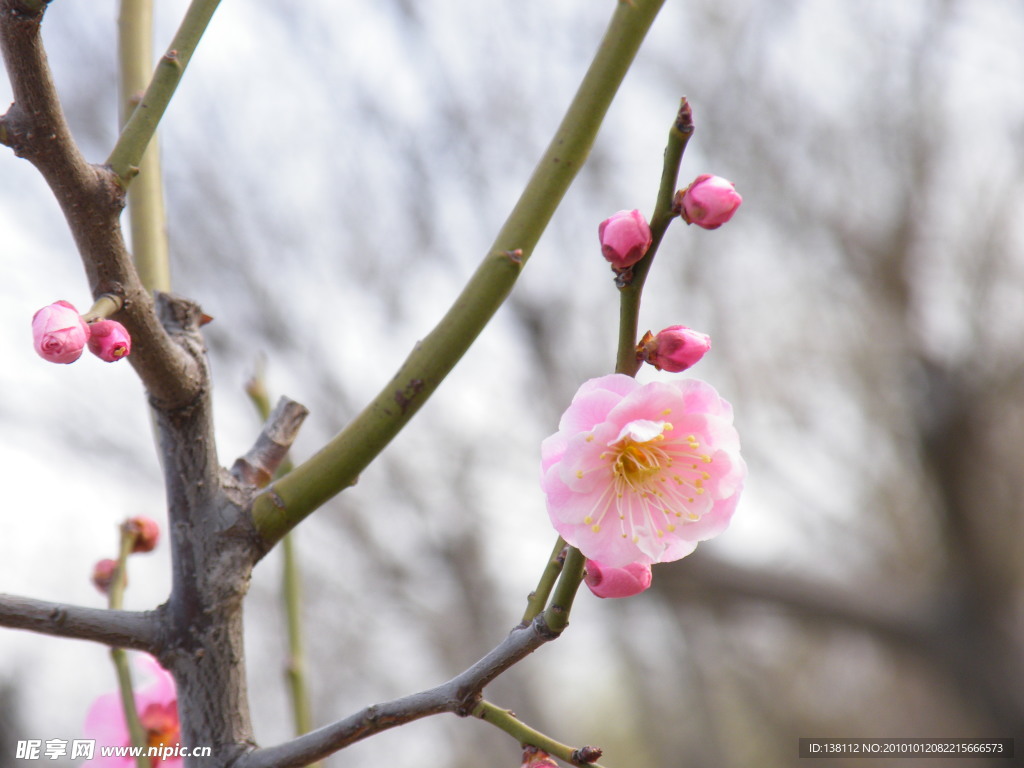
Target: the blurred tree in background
pixel 334 172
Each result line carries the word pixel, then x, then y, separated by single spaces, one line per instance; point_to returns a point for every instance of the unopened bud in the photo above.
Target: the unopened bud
pixel 674 349
pixel 103 575
pixel 59 333
pixel 109 340
pixel 625 238
pixel 146 531
pixel 537 758
pixel 627 581
pixel 708 202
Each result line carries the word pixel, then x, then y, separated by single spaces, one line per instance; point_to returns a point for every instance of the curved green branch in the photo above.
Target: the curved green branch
pixel 135 137
pixel 339 463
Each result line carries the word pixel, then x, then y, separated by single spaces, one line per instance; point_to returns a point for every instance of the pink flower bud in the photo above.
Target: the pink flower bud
pixel 625 238
pixel 674 349
pixel 103 574
pixel 146 531
pixel 109 340
pixel 537 758
pixel 59 333
pixel 627 581
pixel 708 202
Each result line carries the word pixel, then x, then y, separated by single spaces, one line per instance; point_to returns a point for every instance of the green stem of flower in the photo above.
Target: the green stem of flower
pixel 146 215
pixel 632 289
pixel 121 666
pixel 556 615
pixel 539 597
pixel 127 153
pixel 339 463
pixel 105 306
pixel 296 669
pixel 525 735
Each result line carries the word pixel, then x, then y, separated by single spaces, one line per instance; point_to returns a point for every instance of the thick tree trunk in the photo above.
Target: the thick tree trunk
pixel 214 547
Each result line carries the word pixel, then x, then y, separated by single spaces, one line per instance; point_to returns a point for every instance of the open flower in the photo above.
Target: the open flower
pixel 59 333
pixel 639 473
pixel 157 705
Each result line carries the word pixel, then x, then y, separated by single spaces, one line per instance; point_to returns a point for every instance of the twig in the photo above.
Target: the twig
pixel 258 466
pixel 141 126
pixel 291 587
pixel 539 597
pixel 459 696
pixel 127 629
pixel 524 734
pixel 631 284
pixel 146 215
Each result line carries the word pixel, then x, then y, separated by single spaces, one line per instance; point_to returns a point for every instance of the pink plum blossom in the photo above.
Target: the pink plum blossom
pixel 639 473
pixel 109 340
pixel 157 706
pixel 674 349
pixel 59 333
pixel 627 581
pixel 708 202
pixel 625 238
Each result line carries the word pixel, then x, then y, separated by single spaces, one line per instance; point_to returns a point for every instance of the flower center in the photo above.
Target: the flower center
pixel 657 480
pixel 161 724
pixel 637 462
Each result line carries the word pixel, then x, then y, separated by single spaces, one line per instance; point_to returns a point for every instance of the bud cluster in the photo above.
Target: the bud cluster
pixel 144 533
pixel 626 238
pixel 60 335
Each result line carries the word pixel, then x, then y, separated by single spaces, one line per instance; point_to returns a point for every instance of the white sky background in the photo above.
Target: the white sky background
pixel 269 100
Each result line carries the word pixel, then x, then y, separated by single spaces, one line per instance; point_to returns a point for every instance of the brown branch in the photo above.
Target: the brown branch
pixel 457 696
pixel 91 199
pixel 123 629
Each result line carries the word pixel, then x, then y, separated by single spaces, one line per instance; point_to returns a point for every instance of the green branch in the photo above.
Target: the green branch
pixel 118 582
pixel 339 463
pixel 127 154
pixel 524 734
pixel 556 615
pixel 106 304
pixel 539 597
pixel 146 216
pixel 291 588
pixel 632 288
